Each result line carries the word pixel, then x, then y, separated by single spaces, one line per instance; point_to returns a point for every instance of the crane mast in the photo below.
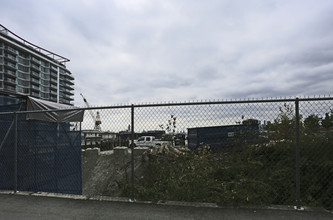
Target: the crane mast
pixel 97 119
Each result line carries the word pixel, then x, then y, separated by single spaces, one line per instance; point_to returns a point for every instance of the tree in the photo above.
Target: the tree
pixel 327 122
pixel 285 122
pixel 171 125
pixel 312 124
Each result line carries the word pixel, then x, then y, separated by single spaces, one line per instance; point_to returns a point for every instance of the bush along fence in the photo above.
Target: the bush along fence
pixel 269 151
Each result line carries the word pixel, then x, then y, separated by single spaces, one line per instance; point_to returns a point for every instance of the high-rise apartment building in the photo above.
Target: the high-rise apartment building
pixel 29 70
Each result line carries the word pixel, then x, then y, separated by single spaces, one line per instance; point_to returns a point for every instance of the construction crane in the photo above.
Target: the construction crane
pixel 97 119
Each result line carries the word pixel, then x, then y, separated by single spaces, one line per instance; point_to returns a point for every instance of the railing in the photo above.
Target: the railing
pixel 34 73
pixel 10 80
pixel 10 88
pixel 55 56
pixel 10 64
pixel 11 57
pixel 12 73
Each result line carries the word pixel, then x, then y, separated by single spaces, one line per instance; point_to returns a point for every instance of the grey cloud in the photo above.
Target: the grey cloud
pixel 180 50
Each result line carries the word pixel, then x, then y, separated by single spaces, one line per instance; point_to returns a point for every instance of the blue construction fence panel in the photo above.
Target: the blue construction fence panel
pixel 48 155
pixel 6 153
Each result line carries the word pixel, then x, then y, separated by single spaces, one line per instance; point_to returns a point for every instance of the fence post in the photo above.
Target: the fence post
pixel 15 152
pixel 132 154
pixel 298 180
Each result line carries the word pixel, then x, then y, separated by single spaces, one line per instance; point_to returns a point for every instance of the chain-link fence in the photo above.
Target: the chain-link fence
pixel 38 156
pixel 270 151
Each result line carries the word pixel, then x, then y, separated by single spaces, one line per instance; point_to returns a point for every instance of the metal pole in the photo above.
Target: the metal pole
pixel 132 153
pixel 15 153
pixel 7 133
pixel 298 181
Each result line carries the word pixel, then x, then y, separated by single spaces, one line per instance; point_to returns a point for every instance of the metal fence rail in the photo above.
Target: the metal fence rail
pixel 268 151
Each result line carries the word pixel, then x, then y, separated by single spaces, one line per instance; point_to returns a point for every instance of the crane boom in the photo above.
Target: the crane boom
pixel 97 119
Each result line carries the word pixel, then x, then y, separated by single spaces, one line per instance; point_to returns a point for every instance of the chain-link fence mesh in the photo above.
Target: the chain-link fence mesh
pixel 226 152
pixel 231 161
pixel 316 153
pixel 6 151
pixel 39 156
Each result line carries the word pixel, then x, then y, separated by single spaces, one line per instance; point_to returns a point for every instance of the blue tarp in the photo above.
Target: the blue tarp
pixel 48 154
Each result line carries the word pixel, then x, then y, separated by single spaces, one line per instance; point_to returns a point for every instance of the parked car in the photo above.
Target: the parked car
pixel 148 141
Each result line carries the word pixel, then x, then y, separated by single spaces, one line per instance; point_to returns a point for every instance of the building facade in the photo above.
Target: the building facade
pixel 29 70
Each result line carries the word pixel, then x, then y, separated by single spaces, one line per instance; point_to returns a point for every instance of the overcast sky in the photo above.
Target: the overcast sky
pixel 138 51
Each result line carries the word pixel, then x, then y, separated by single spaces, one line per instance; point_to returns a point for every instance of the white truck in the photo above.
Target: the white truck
pixel 148 141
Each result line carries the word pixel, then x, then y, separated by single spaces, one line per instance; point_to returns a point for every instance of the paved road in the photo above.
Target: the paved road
pixel 42 207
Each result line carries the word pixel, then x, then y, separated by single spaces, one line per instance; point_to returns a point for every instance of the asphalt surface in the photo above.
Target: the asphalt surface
pixel 49 207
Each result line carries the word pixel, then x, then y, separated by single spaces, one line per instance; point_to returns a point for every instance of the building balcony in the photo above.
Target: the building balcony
pixel 10 50
pixel 45 76
pixel 54 81
pixel 35 74
pixel 10 73
pixel 22 90
pixel 35 88
pixel 24 56
pixel 66 86
pixel 66 82
pixel 35 94
pixel 45 64
pixel 10 81
pixel 45 83
pixel 10 65
pixel 65 96
pixel 23 84
pixel 54 68
pixel 54 86
pixel 45 89
pixel 67 76
pixel 25 63
pixel 54 99
pixel 67 92
pixel 35 67
pixel 35 81
pixel 64 101
pixel 54 75
pixel 35 60
pixel 9 88
pixel 10 57
pixel 45 70
pixel 44 95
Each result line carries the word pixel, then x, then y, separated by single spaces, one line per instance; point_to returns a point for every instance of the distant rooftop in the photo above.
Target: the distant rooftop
pixel 48 53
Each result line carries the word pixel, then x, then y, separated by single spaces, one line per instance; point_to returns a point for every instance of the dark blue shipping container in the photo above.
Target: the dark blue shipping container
pixel 224 138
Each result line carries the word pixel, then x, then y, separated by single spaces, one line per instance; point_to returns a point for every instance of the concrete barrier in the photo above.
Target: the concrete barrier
pixel 104 172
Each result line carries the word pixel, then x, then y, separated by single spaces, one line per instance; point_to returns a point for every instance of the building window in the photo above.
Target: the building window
pixel 45 70
pixel 24 61
pixel 23 75
pixel 45 76
pixel 23 68
pixel 46 64
pixel 23 83
pixel 44 95
pixel 44 82
pixel 45 89
pixel 22 90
